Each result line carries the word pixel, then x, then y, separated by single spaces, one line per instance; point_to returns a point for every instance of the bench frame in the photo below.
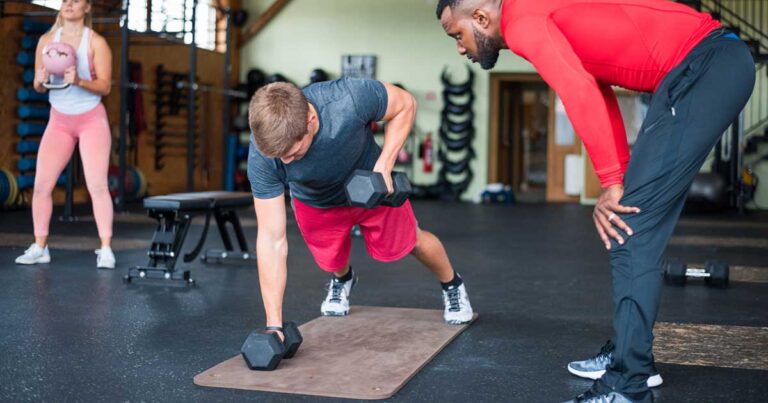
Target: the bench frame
pixel 171 231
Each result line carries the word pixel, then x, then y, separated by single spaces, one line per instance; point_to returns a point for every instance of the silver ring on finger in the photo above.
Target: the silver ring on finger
pixel 611 217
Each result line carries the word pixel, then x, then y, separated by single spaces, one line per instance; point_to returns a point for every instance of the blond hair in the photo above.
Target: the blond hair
pixel 88 18
pixel 277 116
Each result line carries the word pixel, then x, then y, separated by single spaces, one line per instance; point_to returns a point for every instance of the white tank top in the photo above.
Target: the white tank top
pixel 74 99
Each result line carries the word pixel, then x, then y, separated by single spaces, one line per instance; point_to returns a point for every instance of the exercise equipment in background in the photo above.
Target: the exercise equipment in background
pixel 9 189
pixel 709 192
pixel 25 165
pixel 135 183
pixel 28 76
pixel 27 146
pixel 30 95
pixel 715 273
pixel 256 79
pixel 171 131
pixel 33 112
pixel 29 42
pixel 318 75
pixel 34 26
pixel 174 214
pixel 276 78
pixel 25 58
pixel 30 129
pixel 25 182
pixel 456 134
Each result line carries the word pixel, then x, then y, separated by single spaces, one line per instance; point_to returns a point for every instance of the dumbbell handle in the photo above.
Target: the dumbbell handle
pixel 696 272
pixel 58 86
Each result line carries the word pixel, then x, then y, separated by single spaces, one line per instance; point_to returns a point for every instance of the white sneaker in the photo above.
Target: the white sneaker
pixel 458 310
pixel 105 259
pixel 337 301
pixel 34 254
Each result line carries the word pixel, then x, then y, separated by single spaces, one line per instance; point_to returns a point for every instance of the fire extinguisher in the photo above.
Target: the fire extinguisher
pixel 426 152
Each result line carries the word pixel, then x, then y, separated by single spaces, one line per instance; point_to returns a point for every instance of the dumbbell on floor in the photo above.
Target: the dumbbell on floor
pixel 714 273
pixel 263 350
pixel 367 189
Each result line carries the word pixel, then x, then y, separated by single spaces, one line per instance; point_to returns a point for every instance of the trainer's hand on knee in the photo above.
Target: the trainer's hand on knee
pixel 606 216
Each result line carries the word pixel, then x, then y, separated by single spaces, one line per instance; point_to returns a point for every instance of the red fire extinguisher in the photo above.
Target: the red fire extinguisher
pixel 426 152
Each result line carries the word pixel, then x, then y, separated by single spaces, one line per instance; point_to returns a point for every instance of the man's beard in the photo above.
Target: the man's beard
pixel 487 49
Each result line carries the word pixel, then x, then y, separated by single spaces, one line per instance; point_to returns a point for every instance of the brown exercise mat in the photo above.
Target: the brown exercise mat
pixel 369 354
pixel 711 345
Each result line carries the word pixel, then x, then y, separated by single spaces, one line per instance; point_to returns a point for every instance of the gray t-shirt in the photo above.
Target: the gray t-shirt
pixel 343 143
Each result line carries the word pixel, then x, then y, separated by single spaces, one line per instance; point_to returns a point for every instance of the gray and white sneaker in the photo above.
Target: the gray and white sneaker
pixel 457 309
pixel 105 258
pixel 336 303
pixel 594 368
pixel 599 394
pixel 34 255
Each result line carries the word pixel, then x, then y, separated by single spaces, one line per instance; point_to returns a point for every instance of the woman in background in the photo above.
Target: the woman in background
pixel 77 116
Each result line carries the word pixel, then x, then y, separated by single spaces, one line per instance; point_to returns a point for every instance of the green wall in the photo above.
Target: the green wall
pixel 407 39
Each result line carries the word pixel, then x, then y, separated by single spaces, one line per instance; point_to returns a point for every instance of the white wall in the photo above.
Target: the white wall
pixel 407 39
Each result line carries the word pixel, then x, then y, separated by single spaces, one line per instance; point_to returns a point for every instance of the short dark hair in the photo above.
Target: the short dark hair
pixel 442 4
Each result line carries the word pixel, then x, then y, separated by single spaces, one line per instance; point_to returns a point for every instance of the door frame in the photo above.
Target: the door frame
pixel 555 191
pixel 496 80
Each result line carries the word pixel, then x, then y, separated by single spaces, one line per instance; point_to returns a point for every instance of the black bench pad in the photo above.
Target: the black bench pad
pixel 198 201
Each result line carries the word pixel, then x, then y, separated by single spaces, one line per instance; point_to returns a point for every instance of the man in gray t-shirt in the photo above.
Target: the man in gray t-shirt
pixel 311 141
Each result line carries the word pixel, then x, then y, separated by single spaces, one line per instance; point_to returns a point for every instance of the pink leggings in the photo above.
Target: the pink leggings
pixel 91 129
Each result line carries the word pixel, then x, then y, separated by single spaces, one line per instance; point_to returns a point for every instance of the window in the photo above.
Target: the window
pixel 174 16
pixel 169 16
pixel 48 3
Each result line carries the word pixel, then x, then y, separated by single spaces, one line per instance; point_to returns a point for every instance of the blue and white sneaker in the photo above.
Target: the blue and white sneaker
pixel 594 368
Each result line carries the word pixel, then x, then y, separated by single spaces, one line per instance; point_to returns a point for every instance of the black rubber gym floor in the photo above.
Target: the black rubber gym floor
pixel 537 275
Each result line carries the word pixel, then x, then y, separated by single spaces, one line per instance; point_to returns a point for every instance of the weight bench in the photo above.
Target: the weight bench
pixel 174 213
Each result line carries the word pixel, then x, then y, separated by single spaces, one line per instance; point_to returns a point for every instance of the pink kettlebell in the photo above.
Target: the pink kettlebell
pixel 57 57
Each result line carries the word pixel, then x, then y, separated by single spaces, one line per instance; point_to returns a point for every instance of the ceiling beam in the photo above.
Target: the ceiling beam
pixel 251 31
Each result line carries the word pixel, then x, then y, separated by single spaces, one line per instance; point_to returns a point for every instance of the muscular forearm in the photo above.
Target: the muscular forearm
pixel 396 132
pixel 272 256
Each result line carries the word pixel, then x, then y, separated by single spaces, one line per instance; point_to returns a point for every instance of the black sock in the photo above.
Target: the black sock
pixel 345 277
pixel 456 282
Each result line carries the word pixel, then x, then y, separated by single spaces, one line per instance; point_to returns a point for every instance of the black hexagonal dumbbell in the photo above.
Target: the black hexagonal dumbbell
pixel 714 273
pixel 263 350
pixel 367 189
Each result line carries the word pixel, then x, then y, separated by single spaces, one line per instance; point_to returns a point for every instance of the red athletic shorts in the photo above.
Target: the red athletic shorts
pixel 389 232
